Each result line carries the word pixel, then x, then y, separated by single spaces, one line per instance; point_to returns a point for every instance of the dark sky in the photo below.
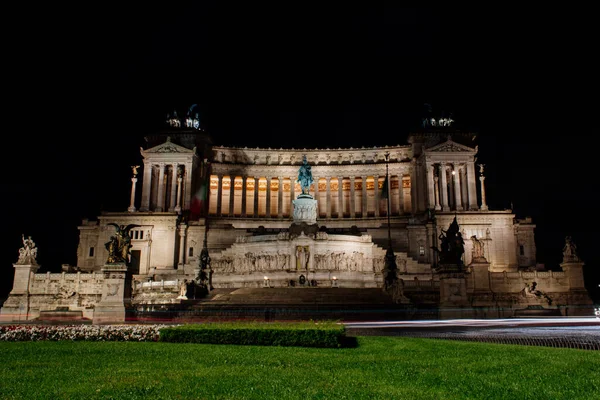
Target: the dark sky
pixel 83 87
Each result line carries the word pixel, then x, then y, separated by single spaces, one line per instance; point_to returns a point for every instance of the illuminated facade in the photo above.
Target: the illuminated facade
pixel 256 238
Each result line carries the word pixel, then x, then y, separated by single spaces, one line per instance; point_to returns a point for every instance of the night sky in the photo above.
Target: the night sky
pixel 83 88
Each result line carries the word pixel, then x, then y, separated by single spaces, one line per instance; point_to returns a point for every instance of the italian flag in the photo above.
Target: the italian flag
pixel 199 202
pixel 385 191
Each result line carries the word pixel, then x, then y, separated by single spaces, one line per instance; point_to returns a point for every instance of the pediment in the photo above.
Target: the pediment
pixel 450 146
pixel 168 147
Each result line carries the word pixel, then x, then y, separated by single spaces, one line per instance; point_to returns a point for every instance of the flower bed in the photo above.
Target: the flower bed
pixel 102 333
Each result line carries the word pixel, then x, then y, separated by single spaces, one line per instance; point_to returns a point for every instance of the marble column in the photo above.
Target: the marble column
pixel 256 179
pixel 178 200
pixel 268 202
pixel 376 195
pixel 160 201
pixel 182 228
pixel 132 197
pixel 219 194
pixel 280 197
pixel 464 187
pixel 436 193
pixel 364 197
pixel 231 195
pixel 328 197
pixel 173 187
pixel 340 197
pixel 147 186
pixel 484 206
pixel 352 198
pixel 415 186
pixel 472 187
pixel 444 187
pixel 186 196
pixel 244 200
pixel 395 194
pixel 457 198
pixel 431 201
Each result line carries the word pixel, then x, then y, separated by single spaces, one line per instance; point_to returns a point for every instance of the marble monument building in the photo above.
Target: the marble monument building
pixel 228 217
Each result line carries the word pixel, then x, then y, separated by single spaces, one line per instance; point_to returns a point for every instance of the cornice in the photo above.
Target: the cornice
pixel 349 156
pixel 318 171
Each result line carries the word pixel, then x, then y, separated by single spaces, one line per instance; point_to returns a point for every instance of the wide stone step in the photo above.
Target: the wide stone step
pixel 342 296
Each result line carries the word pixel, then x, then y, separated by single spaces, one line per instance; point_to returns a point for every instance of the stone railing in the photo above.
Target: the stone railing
pixel 421 284
pixel 156 285
pixel 61 283
pixel 547 281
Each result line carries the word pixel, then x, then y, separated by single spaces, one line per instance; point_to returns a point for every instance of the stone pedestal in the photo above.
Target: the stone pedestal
pixel 580 303
pixel 305 209
pixel 16 306
pixel 574 270
pixel 111 308
pixel 454 302
pixel 481 276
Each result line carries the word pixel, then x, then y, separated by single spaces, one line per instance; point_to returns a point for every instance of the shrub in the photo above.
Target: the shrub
pixel 135 333
pixel 265 334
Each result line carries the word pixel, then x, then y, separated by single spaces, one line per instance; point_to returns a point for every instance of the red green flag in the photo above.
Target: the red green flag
pixel 385 189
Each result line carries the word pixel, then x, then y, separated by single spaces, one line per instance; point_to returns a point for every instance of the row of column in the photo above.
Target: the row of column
pixel 400 197
pixel 157 186
pixel 451 186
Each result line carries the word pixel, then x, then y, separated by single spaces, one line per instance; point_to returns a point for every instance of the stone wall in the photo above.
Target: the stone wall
pixel 50 292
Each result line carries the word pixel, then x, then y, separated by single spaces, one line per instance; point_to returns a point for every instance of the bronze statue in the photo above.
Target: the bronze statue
pixel 134 168
pixel 113 250
pixel 452 245
pixel 119 245
pixel 305 176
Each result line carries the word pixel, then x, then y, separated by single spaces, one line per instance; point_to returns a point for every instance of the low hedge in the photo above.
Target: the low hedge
pixel 328 334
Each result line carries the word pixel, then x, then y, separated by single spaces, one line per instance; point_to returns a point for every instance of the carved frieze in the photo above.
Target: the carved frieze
pixel 167 147
pixel 450 146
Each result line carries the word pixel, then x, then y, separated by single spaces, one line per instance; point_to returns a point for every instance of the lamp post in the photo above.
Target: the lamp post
pixel 390 267
pixel 205 273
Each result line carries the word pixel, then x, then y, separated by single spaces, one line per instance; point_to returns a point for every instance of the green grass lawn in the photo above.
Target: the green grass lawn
pixel 379 368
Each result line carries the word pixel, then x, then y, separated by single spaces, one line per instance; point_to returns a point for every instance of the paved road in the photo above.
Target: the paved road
pixel 581 333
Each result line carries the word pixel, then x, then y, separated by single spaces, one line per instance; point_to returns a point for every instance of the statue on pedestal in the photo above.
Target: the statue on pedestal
pixel 183 287
pixel 570 251
pixel 305 176
pixel 28 252
pixel 119 245
pixel 477 253
pixel 452 245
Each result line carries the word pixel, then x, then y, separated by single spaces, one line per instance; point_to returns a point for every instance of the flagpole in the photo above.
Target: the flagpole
pixel 204 275
pixel 390 268
pixel 387 181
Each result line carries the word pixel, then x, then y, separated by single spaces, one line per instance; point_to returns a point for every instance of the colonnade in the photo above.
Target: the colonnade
pixel 337 197
pixel 166 186
pixel 451 186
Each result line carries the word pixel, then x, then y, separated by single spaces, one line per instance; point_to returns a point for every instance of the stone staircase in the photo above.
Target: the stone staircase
pixel 299 296
pixel 278 304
